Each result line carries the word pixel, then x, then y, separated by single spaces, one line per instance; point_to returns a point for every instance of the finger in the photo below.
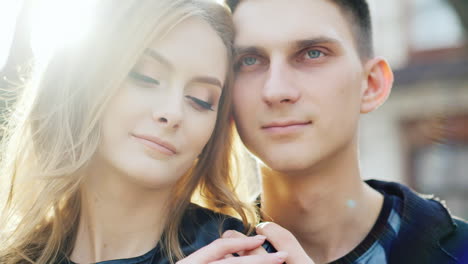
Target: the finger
pixel 283 240
pixel 221 247
pixel 273 258
pixel 235 234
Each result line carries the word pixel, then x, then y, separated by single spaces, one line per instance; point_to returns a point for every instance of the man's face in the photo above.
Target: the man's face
pixel 299 82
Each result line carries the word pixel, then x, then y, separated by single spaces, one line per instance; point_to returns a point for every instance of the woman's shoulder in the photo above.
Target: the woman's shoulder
pixel 201 226
pixel 200 217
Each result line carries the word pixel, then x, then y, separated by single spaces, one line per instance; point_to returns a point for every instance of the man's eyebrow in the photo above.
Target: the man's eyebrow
pixel 155 55
pixel 240 50
pixel 207 80
pixel 300 44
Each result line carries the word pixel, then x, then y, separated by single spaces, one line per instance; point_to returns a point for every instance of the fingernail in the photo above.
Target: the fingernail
pixel 282 256
pixel 228 234
pixel 260 237
pixel 262 225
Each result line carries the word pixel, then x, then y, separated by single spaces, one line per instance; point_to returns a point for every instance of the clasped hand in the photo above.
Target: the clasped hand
pixel 236 248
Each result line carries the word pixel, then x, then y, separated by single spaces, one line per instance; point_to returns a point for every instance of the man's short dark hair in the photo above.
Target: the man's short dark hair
pixel 358 14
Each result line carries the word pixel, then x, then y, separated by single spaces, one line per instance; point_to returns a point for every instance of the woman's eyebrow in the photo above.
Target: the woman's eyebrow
pixel 208 80
pixel 155 55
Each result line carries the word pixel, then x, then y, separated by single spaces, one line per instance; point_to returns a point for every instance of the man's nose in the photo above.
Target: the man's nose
pixel 279 87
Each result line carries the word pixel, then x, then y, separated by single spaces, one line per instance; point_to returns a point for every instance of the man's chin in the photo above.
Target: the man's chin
pixel 286 165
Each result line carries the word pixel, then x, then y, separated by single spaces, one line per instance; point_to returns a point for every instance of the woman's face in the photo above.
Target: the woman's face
pixel 165 112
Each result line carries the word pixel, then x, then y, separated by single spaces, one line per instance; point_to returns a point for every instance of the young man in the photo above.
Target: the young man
pixel 306 71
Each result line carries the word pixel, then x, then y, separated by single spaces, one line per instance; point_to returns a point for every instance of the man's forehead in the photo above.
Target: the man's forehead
pixel 280 22
pixel 281 9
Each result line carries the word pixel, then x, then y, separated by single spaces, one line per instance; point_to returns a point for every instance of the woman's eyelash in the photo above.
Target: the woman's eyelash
pixel 142 77
pixel 201 103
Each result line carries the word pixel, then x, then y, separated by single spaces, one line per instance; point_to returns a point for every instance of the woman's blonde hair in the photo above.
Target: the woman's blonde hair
pixel 54 131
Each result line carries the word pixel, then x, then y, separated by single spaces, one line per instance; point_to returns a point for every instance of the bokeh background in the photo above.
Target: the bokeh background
pixel 419 137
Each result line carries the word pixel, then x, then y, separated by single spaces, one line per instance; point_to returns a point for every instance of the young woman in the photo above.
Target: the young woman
pixel 112 137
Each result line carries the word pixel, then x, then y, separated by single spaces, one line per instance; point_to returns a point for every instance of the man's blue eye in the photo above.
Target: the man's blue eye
pixel 249 61
pixel 313 54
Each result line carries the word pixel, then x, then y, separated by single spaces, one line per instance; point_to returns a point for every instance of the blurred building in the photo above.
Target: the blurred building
pixel 420 136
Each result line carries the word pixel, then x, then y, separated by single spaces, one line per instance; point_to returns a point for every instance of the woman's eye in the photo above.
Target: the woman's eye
pixel 141 77
pixel 249 61
pixel 201 103
pixel 314 54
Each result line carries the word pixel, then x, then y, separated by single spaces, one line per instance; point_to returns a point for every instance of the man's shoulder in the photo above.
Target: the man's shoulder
pixel 457 242
pixel 420 209
pixel 413 202
pixel 462 225
pixel 426 225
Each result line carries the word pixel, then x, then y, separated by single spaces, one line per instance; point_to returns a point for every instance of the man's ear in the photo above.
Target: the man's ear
pixel 378 85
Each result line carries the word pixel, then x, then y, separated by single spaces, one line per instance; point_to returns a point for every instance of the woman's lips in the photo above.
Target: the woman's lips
pixel 157 144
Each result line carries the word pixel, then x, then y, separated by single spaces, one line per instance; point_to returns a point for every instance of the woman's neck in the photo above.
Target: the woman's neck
pixel 118 219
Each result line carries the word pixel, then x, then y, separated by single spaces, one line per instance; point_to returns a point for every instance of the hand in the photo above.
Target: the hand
pixel 260 250
pixel 220 252
pixel 283 240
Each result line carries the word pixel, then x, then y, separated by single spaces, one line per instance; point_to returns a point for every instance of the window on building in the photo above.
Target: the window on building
pixel 433 24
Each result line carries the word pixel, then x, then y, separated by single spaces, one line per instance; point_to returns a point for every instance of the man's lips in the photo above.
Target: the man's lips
pixel 156 144
pixel 284 127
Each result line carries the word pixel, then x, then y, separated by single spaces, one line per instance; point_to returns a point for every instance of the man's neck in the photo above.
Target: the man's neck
pixel 330 210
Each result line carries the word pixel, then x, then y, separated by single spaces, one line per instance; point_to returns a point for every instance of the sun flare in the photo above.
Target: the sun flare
pixel 59 22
